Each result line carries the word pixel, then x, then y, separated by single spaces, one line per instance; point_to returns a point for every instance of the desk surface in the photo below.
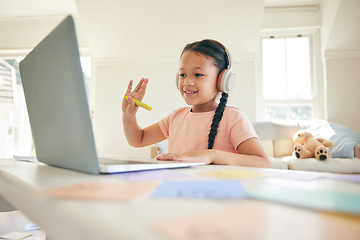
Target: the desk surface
pixel 146 217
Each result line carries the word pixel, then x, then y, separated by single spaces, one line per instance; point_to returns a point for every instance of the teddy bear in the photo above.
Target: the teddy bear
pixel 306 146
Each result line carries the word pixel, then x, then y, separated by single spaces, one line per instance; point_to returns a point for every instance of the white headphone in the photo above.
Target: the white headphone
pixel 226 78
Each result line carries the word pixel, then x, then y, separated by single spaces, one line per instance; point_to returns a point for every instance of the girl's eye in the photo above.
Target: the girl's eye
pixel 198 75
pixel 182 75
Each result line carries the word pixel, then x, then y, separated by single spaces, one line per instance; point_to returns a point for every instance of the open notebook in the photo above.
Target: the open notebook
pixel 58 108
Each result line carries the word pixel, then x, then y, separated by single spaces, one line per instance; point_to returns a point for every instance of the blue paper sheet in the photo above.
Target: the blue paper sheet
pixel 201 189
pixel 313 199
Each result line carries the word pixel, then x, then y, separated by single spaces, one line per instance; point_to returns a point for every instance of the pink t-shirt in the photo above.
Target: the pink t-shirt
pixel 188 131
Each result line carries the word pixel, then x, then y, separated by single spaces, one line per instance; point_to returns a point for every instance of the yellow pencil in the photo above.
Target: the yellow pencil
pixel 140 104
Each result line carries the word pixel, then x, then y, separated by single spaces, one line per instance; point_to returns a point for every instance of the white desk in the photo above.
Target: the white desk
pixel 89 219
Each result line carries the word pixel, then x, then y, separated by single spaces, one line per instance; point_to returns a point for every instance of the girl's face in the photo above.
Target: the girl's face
pixel 197 81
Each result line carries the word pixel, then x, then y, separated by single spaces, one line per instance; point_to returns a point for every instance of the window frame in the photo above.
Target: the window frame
pixel 317 82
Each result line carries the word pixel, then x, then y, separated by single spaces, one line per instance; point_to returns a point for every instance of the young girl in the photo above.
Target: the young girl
pixel 208 131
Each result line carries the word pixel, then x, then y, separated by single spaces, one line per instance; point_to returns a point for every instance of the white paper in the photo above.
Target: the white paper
pixel 25 158
pixel 15 235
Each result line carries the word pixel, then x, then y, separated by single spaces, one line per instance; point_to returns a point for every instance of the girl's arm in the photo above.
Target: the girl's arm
pixel 138 137
pixel 135 135
pixel 250 154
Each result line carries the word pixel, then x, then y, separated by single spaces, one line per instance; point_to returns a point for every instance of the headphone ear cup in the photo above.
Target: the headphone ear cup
pixel 177 80
pixel 226 80
pixel 219 80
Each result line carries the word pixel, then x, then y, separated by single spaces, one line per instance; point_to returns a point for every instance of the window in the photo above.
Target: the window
pixel 85 62
pixel 288 79
pixel 15 133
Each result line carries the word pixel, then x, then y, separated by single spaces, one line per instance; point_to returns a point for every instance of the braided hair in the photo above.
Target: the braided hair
pixel 215 50
pixel 217 118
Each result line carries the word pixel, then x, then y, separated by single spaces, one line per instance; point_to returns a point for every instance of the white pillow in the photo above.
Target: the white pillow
pixel 268 147
pixel 283 147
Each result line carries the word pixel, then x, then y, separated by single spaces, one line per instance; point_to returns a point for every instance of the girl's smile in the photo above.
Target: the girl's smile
pixel 189 93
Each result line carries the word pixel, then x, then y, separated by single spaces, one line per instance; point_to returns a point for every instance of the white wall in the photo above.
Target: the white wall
pixel 158 29
pixel 342 62
pixel 23 33
pixel 343 77
pixel 292 17
pixel 328 15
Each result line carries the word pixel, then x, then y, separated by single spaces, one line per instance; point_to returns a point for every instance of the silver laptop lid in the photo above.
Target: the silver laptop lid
pixel 57 103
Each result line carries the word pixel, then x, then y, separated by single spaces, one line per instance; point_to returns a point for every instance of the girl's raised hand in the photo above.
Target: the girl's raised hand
pixel 128 106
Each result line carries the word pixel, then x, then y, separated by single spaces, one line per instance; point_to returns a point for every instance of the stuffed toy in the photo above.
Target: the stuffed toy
pixel 306 146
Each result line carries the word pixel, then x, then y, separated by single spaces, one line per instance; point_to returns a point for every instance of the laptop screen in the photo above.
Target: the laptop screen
pixel 57 104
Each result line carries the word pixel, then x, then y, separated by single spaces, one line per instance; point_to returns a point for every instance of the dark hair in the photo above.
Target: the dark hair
pixel 215 50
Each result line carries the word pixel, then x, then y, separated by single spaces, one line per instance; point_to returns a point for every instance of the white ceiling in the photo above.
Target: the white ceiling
pixel 35 8
pixel 95 14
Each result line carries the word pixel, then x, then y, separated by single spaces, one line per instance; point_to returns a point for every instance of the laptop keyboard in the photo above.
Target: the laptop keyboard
pixel 108 161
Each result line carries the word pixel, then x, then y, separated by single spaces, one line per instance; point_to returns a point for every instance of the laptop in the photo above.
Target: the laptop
pixel 58 108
